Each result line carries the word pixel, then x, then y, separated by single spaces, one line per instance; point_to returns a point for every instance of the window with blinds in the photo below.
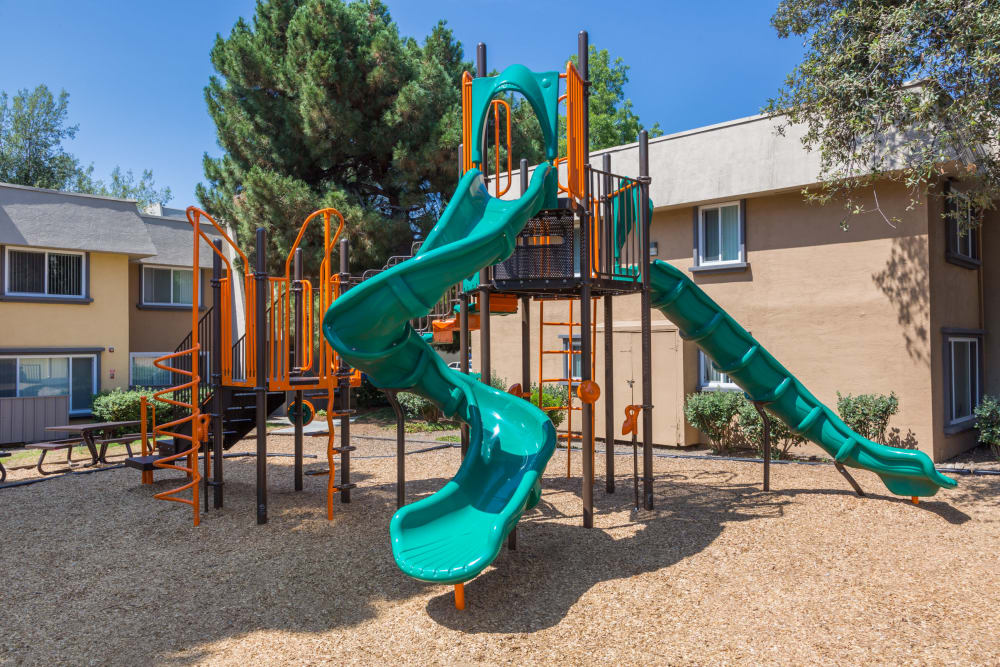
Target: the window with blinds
pixel 44 273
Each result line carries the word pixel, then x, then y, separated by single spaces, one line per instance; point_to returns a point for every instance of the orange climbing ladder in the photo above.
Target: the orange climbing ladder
pixel 571 405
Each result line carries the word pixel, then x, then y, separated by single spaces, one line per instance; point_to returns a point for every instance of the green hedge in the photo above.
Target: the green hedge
pixel 868 414
pixel 125 405
pixel 988 422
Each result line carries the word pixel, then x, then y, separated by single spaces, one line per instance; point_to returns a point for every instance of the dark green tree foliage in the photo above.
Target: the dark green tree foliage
pixel 895 89
pixel 322 103
pixel 32 129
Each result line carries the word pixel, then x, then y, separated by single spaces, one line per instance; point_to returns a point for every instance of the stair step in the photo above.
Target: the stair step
pixel 143 463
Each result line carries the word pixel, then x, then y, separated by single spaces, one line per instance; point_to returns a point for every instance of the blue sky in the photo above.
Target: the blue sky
pixel 135 71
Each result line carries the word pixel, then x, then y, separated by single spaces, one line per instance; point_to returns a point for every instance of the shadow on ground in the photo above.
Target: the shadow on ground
pixel 557 561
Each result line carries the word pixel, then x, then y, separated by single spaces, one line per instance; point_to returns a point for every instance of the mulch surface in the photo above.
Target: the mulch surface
pixel 97 571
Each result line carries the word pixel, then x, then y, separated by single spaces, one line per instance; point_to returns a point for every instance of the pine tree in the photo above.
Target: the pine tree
pixel 321 103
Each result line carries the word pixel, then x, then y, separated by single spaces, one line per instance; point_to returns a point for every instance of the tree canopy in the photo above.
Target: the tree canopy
pixel 900 89
pixel 33 126
pixel 321 103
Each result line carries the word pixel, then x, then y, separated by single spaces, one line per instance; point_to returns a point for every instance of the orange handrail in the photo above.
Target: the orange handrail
pixel 194 216
pixel 575 138
pixel 199 428
pixel 496 104
pixel 467 163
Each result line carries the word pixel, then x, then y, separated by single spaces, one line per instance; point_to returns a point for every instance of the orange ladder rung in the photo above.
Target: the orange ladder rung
pixel 561 324
pixel 561 351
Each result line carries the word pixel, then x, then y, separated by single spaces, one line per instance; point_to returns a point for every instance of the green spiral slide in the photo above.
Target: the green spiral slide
pixel 748 364
pixel 452 535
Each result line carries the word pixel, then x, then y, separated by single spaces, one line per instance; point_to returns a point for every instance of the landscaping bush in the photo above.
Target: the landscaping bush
pixel 988 422
pixel 418 407
pixel 121 405
pixel 868 415
pixel 367 395
pixel 714 413
pixel 552 396
pixel 751 428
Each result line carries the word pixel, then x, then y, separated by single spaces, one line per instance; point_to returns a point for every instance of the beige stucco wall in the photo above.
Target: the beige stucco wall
pixel 991 306
pixel 159 330
pixel 845 311
pixel 955 303
pixel 102 323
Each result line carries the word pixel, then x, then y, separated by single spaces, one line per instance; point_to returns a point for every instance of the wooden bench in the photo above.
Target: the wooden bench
pixel 45 447
pixel 3 471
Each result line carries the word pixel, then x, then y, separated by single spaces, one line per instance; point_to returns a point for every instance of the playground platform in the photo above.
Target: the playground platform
pixel 719 572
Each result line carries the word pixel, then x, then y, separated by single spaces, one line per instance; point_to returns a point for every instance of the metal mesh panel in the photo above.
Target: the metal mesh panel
pixel 545 249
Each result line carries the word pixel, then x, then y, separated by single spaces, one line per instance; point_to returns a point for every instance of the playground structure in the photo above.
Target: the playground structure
pixel 583 238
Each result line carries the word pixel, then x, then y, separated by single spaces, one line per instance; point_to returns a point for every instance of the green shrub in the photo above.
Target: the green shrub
pixel 417 407
pixel 988 422
pixel 367 395
pixel 751 428
pixel 714 413
pixel 553 395
pixel 868 415
pixel 121 405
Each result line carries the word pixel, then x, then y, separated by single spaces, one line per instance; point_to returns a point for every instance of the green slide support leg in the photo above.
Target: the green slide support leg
pixel 748 364
pixel 452 535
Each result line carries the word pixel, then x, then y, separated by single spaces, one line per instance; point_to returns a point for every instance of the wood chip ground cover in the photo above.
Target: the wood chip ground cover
pixel 98 572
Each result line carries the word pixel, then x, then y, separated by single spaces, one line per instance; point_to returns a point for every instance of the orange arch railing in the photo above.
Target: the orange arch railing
pixel 281 333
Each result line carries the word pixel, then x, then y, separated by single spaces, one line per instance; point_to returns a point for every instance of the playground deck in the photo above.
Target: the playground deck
pixel 719 572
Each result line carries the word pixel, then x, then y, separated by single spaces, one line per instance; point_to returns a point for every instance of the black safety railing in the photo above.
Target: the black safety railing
pixel 618 236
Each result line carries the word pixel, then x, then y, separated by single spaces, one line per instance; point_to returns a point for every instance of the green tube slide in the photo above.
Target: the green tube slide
pixel 748 364
pixel 452 535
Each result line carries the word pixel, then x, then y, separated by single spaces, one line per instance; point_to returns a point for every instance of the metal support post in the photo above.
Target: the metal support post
pixel 646 325
pixel 300 341
pixel 463 351
pixel 260 282
pixel 609 357
pixel 767 443
pixel 400 447
pixel 344 401
pixel 586 342
pixel 218 406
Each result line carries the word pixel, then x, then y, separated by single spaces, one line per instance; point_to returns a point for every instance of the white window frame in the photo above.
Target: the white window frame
pixel 173 304
pixel 46 252
pixel 703 382
pixel 974 348
pixel 69 357
pixel 969 240
pixel 568 359
pixel 740 258
pixel 143 355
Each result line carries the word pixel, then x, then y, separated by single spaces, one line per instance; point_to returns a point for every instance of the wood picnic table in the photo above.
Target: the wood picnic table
pixel 87 432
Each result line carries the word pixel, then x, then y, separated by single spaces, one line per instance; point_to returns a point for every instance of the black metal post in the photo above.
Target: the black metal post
pixel 400 447
pixel 481 72
pixel 646 325
pixel 767 443
pixel 609 357
pixel 260 283
pixel 297 277
pixel 484 274
pixel 344 401
pixel 218 406
pixel 586 342
pixel 463 350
